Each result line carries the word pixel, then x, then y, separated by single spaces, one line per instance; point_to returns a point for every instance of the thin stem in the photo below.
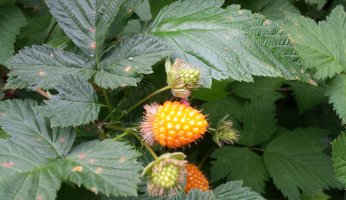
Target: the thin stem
pixel 109 106
pixel 122 135
pixel 204 158
pixel 43 93
pixel 50 32
pixel 256 149
pixel 151 151
pixel 143 100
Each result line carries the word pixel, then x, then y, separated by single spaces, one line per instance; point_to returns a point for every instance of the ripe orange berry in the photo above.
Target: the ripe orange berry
pixel 195 179
pixel 173 124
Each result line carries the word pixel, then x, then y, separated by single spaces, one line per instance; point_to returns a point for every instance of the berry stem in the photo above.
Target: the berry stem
pixel 142 101
pixel 109 106
pixel 256 149
pixel 151 151
pixel 50 32
pixel 43 93
pixel 122 135
pixel 204 159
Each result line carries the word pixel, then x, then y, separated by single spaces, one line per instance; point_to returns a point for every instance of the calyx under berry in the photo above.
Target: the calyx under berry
pixel 225 133
pixel 166 174
pixel 182 77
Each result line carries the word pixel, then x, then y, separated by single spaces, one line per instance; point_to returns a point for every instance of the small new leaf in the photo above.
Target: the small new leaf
pixel 76 103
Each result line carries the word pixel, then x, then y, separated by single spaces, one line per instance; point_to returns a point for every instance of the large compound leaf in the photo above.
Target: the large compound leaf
pixel 25 126
pixel 43 66
pixel 75 104
pixel 322 45
pixel 25 174
pixel 259 120
pixel 11 20
pixel 238 163
pixel 124 63
pixel 336 90
pixel 86 22
pixel 295 162
pixel 339 158
pixel 234 190
pixel 226 42
pixel 109 167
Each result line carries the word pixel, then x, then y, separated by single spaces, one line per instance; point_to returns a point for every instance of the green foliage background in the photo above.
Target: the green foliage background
pixel 71 69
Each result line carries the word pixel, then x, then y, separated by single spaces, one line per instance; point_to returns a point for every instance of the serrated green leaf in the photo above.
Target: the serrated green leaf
pixel 218 90
pixel 238 163
pixel 259 120
pixel 11 20
pixel 322 46
pixel 319 3
pixel 272 9
pixel 76 103
pixel 200 195
pixel 43 66
pixel 218 109
pixel 109 167
pixel 25 126
pixel 143 11
pixel 125 63
pixel 157 5
pixel 301 91
pixel 122 18
pixel 260 86
pixel 14 82
pixel 295 162
pixel 336 90
pixel 25 174
pixel 235 190
pixel 339 158
pixel 86 22
pixel 226 42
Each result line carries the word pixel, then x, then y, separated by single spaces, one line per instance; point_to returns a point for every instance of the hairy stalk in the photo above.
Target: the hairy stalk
pixel 142 101
pixel 151 151
pixel 109 106
pixel 43 93
pixel 50 32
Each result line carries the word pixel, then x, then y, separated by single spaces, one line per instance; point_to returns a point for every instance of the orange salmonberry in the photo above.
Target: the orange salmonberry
pixel 195 179
pixel 173 124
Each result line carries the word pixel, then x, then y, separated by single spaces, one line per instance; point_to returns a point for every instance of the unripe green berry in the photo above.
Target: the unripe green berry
pixel 166 177
pixel 190 76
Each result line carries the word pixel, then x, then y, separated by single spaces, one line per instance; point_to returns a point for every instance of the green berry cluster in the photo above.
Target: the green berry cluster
pixel 189 76
pixel 167 176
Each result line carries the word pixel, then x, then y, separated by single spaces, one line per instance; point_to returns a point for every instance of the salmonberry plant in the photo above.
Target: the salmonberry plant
pixel 172 99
